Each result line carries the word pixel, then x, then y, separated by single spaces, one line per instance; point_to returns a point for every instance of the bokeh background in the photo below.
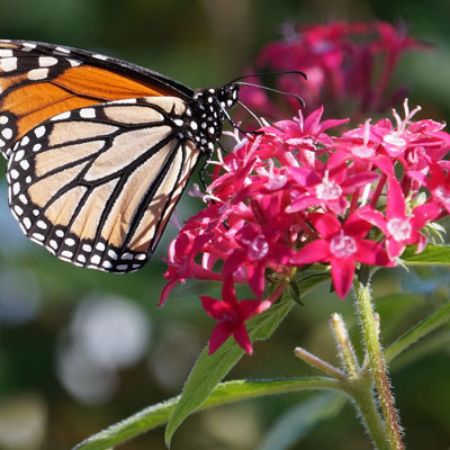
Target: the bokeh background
pixel 80 350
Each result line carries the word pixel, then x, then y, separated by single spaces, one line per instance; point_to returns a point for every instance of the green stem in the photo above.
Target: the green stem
pixel 366 406
pixel 319 364
pixel 377 365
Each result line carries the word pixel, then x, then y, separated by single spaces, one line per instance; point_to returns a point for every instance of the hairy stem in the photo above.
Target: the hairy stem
pixel 377 364
pixel 366 406
pixel 344 346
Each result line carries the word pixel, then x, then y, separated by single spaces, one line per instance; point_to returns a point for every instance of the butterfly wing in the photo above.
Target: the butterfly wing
pixel 96 185
pixel 39 81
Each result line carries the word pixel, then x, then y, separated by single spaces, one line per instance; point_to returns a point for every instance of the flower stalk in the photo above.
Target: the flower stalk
pixel 319 364
pixel 346 352
pixel 377 365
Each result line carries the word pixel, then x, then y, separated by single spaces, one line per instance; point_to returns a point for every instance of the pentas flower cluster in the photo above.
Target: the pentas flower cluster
pixel 295 196
pixel 349 66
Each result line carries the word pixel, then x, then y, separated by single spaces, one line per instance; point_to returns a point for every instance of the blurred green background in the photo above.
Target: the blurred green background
pixel 80 349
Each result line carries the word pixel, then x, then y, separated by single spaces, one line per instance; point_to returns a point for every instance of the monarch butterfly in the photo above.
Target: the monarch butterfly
pixel 99 150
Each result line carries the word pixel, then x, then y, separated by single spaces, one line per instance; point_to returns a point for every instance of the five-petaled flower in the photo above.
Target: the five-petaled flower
pixel 230 315
pixel 342 245
pixel 400 228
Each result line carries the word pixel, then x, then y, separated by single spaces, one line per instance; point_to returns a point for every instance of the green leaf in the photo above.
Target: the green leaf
pixel 224 393
pixel 209 370
pixel 433 255
pixel 426 326
pixel 297 422
pixel 294 292
pixel 435 343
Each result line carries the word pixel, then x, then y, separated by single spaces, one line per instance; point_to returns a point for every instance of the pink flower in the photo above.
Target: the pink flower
pixel 340 61
pixel 327 188
pixel 230 315
pixel 399 228
pixel 342 245
pixel 295 195
pixel 438 183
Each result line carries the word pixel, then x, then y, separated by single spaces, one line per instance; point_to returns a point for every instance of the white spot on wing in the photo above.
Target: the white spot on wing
pixel 47 61
pixel 7 133
pixel 96 259
pixel 25 164
pixel 87 113
pixel 99 56
pixel 39 131
pixel 19 155
pixel 70 242
pixel 8 64
pixel 74 62
pixel 62 116
pixel 37 74
pixel 62 50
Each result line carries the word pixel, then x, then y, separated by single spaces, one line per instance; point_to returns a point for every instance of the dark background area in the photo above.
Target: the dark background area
pixel 80 350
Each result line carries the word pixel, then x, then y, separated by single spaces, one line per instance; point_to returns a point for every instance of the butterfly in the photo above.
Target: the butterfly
pixel 99 150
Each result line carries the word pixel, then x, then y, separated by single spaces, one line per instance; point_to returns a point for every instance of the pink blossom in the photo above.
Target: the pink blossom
pixel 341 245
pixel 438 183
pixel 399 228
pixel 340 60
pixel 295 195
pixel 230 315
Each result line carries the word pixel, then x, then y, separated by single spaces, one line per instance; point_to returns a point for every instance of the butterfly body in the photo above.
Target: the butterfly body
pixel 99 150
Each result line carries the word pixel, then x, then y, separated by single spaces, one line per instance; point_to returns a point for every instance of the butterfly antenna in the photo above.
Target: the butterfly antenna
pixel 288 94
pixel 262 74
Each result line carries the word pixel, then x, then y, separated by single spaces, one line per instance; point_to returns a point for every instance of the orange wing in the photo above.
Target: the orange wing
pixel 39 81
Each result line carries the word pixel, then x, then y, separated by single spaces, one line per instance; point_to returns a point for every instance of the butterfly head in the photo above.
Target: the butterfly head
pixel 206 114
pixel 228 95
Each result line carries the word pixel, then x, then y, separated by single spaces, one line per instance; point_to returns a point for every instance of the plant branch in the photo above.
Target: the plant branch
pixel 344 346
pixel 319 364
pixel 367 409
pixel 377 365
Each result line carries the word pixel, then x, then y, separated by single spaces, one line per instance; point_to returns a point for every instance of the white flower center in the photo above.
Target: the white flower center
pixel 328 190
pixel 395 140
pixel 363 151
pixel 276 182
pixel 400 229
pixel 342 246
pixel 258 248
pixel 443 195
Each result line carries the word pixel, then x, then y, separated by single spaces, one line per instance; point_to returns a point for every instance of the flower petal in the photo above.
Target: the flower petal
pixel 342 272
pixel 219 335
pixel 242 338
pixel 316 251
